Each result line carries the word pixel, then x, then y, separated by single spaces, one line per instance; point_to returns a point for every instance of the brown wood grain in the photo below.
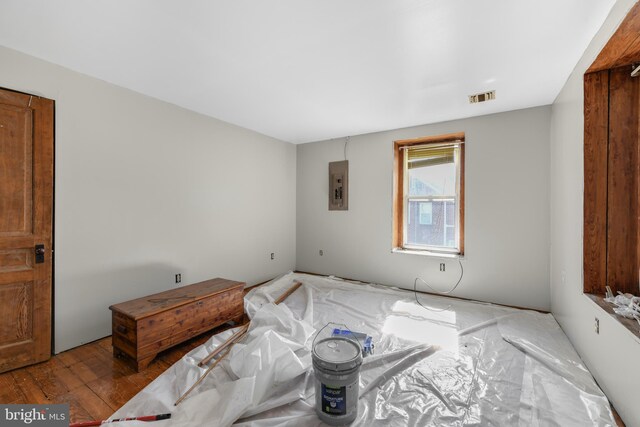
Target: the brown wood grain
pixel 47 381
pixel 398 190
pixel 152 304
pixel 115 391
pixel 83 372
pixel 611 233
pixel 112 379
pixel 90 402
pixel 288 292
pixel 449 137
pixel 43 179
pixel 461 200
pixel 623 48
pixel 26 200
pixel 29 387
pixel 68 378
pixel 9 390
pixel 144 327
pixel 622 184
pixel 75 407
pixel 596 139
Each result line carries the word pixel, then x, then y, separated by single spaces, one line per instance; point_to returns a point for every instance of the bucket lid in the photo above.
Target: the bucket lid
pixel 337 353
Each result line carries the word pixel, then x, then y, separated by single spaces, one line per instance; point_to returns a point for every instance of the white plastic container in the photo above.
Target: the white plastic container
pixel 336 364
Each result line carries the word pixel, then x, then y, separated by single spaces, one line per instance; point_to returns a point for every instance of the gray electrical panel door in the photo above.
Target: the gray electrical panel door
pixel 339 186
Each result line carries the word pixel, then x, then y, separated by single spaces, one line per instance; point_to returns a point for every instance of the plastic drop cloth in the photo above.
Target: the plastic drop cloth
pixel 466 364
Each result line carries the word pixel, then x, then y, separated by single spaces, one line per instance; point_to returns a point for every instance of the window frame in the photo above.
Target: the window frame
pixel 400 198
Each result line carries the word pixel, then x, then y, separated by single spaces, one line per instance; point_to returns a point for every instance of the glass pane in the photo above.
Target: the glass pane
pixel 426 213
pixel 436 180
pixel 431 223
pixel 451 213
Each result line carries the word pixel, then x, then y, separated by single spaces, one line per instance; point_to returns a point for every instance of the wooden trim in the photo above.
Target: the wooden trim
pixel 449 137
pixel 596 138
pixel 461 201
pixel 611 233
pixel 398 184
pixel 616 416
pixel 622 185
pixel 398 205
pixel 623 48
pixel 8 96
pixel 43 110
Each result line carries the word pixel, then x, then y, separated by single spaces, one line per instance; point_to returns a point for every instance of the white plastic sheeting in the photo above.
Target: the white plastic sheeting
pixel 466 364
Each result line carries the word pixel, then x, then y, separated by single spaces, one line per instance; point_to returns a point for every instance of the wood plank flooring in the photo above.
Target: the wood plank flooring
pixel 88 378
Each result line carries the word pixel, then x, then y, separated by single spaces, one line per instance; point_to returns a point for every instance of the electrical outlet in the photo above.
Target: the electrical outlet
pixel 178 278
pixel 273 255
pixel 321 252
pixel 596 326
pixel 443 266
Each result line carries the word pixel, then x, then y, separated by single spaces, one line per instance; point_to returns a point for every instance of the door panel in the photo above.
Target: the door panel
pixel 15 260
pixel 15 179
pixel 26 208
pixel 18 324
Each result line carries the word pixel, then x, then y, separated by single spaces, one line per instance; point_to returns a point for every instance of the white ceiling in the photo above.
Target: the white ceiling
pixel 307 70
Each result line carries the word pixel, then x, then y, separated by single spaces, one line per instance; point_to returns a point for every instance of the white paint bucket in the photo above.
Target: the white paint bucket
pixel 336 364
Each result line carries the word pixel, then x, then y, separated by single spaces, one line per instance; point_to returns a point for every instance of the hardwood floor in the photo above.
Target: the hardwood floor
pixel 88 378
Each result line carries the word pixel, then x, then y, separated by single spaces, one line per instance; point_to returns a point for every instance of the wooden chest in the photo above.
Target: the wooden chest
pixel 145 326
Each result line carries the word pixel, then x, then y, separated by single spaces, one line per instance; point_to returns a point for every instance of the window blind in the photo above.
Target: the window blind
pixel 423 156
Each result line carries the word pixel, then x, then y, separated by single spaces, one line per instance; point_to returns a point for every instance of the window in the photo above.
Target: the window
pixel 426 213
pixel 429 194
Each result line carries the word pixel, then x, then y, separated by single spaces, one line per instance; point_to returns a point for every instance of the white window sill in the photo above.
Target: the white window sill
pixel 427 253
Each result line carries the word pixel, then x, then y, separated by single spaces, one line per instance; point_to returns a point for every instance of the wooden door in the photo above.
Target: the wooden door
pixel 26 210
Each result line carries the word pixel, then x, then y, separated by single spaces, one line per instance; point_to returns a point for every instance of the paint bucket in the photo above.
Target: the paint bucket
pixel 336 364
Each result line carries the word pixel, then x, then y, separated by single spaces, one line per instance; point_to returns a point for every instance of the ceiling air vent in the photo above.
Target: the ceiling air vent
pixel 482 97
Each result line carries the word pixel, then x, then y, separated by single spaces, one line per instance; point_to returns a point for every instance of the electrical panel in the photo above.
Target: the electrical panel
pixel 339 186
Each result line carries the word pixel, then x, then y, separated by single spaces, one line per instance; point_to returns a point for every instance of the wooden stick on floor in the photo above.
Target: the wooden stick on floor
pixel 289 291
pixel 228 344
pixel 235 337
pixel 243 329
pixel 209 369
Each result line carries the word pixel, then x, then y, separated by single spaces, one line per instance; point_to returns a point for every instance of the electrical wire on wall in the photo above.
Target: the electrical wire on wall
pixel 415 289
pixel 346 141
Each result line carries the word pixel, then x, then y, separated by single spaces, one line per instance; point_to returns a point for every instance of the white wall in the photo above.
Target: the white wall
pixel 613 355
pixel 506 210
pixel 145 189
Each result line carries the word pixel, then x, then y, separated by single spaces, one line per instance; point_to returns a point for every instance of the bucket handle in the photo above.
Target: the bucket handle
pixel 344 332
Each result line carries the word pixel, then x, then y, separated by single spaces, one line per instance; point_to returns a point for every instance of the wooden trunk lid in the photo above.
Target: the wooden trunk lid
pixel 153 304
